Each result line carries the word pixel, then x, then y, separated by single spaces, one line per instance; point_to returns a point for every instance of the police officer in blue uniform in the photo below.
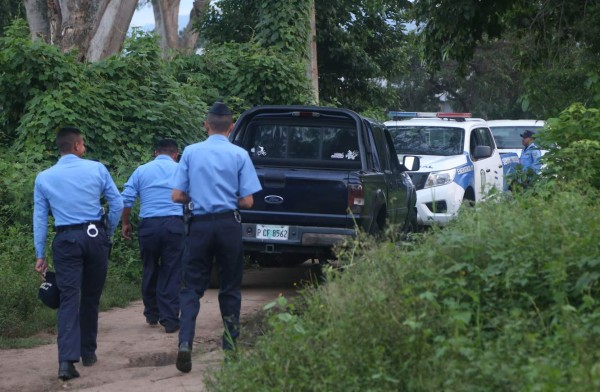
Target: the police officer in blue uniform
pixel 217 177
pixel 71 192
pixel 160 234
pixel 530 155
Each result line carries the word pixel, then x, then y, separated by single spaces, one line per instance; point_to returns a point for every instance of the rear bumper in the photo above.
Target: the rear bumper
pixel 301 239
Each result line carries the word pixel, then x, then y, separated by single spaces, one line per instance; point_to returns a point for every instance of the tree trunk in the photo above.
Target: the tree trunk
pixel 190 36
pixel 79 24
pixel 37 16
pixel 95 28
pixel 166 13
pixel 112 29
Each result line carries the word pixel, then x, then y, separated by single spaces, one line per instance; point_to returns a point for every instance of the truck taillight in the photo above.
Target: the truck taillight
pixel 356 198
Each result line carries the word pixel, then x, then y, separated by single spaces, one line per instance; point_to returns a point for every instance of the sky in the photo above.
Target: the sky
pixel 145 16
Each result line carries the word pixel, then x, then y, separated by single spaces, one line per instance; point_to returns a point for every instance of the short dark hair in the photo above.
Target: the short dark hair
pixel 66 138
pixel 219 123
pixel 167 146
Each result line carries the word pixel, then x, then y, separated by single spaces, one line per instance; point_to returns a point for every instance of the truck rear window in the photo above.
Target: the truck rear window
pixel 321 145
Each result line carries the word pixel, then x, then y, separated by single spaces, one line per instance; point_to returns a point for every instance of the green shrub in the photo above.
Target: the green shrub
pixel 575 137
pixel 505 298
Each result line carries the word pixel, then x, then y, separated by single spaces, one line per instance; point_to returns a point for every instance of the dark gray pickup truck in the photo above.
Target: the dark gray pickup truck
pixel 325 173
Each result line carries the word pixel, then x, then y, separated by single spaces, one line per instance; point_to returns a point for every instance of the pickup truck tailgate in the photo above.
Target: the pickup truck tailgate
pixel 300 196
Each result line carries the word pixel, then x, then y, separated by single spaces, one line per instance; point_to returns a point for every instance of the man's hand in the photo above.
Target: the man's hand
pixel 126 230
pixel 41 266
pixel 246 202
pixel 126 223
pixel 178 196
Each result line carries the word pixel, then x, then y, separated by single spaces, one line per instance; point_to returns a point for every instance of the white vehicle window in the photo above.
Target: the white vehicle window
pixel 510 136
pixel 486 138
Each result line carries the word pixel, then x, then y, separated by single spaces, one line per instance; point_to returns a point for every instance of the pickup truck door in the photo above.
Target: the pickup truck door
pixel 387 160
pixel 487 171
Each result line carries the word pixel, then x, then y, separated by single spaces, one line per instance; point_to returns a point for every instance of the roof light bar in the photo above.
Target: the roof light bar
pixel 453 115
pixel 412 114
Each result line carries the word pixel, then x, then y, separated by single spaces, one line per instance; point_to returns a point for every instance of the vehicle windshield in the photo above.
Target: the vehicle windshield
pixel 428 140
pixel 510 136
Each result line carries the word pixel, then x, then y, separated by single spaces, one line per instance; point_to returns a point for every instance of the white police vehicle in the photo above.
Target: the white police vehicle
pixel 459 161
pixel 508 133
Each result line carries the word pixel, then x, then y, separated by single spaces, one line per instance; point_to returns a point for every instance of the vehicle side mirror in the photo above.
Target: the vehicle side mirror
pixel 411 163
pixel 482 152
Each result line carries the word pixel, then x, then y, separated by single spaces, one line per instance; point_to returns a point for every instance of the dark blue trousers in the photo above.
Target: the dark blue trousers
pixel 81 264
pixel 219 239
pixel 161 247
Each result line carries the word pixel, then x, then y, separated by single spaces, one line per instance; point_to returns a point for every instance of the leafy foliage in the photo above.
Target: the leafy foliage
pixel 575 140
pixel 264 47
pixel 505 298
pixel 126 101
pixel 247 74
pixel 554 48
pixel 10 10
pixel 492 89
pixel 551 25
pixel 284 25
pixel 359 44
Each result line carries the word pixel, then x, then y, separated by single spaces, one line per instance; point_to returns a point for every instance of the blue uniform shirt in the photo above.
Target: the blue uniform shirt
pixel 530 158
pixel 151 183
pixel 71 189
pixel 215 173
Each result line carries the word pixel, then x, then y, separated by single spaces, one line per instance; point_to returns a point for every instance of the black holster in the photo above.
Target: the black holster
pixel 187 217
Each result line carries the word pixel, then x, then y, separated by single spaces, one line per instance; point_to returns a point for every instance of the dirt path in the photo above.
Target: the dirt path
pixel 133 356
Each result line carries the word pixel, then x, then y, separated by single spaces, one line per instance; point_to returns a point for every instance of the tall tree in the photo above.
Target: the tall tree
pixel 166 13
pixel 358 44
pixel 95 28
pixel 166 17
pixel 548 26
pixel 556 43
pixel 189 35
pixel 360 48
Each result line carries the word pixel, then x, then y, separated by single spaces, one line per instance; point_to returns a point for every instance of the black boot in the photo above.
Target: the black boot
pixel 89 360
pixel 184 358
pixel 67 371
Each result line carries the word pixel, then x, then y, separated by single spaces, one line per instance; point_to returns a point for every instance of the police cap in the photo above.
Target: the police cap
pixel 220 109
pixel 527 133
pixel 48 292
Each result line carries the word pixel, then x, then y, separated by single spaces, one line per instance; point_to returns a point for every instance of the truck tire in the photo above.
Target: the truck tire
pixel 378 225
pixel 410 226
pixel 468 199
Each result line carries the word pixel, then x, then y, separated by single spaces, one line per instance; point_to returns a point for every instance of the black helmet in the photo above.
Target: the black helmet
pixel 48 292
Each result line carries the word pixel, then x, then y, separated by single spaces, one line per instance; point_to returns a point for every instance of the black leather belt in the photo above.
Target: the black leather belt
pixel 163 217
pixel 212 217
pixel 79 226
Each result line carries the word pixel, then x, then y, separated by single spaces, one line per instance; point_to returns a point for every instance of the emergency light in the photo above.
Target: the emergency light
pixel 429 115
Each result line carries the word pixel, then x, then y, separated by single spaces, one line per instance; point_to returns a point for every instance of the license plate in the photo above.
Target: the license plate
pixel 272 232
